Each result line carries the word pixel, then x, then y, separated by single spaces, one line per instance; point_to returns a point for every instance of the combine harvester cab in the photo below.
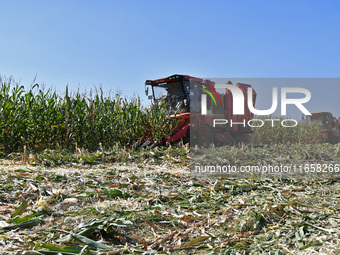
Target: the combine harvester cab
pixel 183 96
pixel 174 92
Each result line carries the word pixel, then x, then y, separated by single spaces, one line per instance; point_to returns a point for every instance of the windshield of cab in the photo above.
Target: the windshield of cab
pixel 172 95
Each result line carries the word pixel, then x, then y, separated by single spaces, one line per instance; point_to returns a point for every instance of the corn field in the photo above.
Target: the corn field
pixel 304 133
pixel 38 119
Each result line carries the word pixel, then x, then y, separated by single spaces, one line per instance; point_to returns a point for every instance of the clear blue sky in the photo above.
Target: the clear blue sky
pixel 120 44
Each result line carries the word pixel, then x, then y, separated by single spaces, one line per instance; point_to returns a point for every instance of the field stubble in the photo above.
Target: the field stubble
pixel 147 201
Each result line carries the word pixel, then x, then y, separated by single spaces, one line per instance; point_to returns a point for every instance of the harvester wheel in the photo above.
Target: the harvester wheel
pixel 208 137
pixel 237 139
pixel 192 136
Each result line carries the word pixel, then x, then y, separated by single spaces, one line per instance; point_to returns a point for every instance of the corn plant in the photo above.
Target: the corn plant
pixel 303 133
pixel 41 119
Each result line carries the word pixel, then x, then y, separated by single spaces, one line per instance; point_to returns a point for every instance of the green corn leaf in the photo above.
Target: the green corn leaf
pixel 20 209
pixel 90 242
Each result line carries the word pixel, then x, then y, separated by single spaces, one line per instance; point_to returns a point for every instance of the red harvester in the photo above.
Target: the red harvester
pixel 182 94
pixel 330 125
